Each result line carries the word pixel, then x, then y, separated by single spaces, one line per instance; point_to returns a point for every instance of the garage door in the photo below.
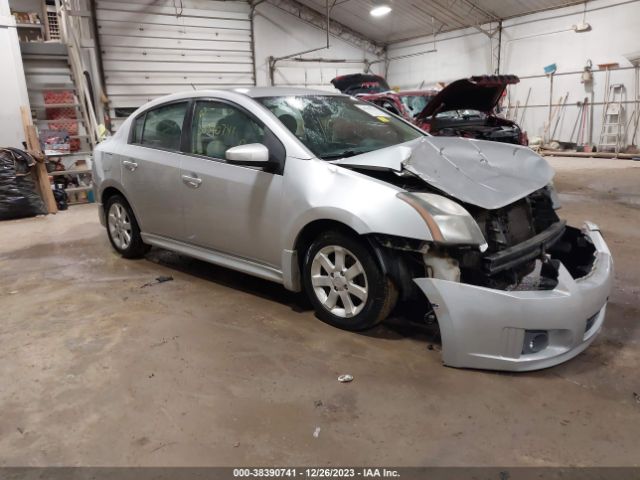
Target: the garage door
pixel 152 48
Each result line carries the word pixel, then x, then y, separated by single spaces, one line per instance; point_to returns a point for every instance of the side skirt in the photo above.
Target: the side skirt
pixel 217 258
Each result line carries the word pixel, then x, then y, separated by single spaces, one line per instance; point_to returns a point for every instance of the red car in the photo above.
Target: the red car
pixel 464 108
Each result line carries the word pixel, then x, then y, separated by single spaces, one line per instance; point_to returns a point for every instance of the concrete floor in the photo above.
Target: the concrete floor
pixel 218 368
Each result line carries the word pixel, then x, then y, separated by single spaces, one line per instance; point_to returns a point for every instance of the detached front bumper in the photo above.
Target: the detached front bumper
pixel 486 328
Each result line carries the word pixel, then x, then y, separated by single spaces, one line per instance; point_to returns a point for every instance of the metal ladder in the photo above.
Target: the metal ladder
pixel 612 119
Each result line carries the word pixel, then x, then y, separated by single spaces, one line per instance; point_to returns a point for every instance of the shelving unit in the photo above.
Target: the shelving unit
pixel 69 172
pixel 56 85
pixel 69 154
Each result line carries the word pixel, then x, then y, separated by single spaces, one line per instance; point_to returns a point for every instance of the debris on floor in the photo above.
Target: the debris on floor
pixel 160 279
pixel 316 432
pixel 345 378
pixel 317 403
pixel 636 396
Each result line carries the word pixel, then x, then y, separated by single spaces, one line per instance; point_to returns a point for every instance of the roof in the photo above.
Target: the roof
pixel 253 92
pixel 258 92
pixel 230 93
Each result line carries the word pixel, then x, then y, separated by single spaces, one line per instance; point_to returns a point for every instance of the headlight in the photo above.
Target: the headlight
pixel 448 221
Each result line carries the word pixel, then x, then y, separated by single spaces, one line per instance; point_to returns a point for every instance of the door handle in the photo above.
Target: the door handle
pixel 131 166
pixel 192 181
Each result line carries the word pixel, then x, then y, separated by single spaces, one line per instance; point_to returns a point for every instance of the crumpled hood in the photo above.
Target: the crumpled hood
pixel 487 174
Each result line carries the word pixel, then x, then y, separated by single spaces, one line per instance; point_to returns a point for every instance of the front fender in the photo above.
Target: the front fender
pixel 324 191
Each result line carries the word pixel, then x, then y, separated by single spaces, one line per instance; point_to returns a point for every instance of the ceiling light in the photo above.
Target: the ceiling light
pixel 380 10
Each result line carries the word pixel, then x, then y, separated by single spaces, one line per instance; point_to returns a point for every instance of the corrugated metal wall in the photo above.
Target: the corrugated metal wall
pixel 156 47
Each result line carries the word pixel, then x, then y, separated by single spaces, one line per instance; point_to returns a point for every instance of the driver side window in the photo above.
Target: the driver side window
pixel 218 126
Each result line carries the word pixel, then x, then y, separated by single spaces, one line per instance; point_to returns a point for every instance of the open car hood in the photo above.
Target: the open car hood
pixel 489 175
pixel 476 93
pixel 360 83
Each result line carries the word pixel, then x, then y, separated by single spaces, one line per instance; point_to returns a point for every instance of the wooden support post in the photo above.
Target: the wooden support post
pixel 40 170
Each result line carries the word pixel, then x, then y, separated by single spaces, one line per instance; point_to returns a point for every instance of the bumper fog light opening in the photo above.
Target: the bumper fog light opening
pixel 535 341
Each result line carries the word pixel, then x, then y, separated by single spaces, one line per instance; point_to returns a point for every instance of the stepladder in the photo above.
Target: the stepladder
pixel 613 122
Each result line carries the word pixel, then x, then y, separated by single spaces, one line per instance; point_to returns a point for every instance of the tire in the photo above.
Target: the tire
pixel 352 293
pixel 122 228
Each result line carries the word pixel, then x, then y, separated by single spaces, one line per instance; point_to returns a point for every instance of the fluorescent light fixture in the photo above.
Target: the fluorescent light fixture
pixel 380 10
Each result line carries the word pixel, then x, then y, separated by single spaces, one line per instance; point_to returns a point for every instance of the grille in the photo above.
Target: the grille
pixel 507 227
pixel 515 223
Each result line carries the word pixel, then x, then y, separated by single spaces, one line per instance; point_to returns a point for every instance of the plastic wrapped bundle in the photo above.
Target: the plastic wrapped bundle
pixel 18 197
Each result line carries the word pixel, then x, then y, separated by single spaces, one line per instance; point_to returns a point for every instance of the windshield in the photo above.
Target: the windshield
pixel 415 103
pixel 334 127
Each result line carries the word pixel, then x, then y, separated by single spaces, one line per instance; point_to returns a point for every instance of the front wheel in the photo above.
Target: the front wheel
pixel 345 284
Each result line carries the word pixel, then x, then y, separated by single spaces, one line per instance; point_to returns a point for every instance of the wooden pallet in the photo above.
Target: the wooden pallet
pixel 40 170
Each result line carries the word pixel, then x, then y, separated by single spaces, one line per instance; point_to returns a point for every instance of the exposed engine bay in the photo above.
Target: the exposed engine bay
pixel 494 133
pixel 526 242
pixel 525 239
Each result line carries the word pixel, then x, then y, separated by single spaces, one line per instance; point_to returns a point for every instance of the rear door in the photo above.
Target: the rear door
pixel 150 164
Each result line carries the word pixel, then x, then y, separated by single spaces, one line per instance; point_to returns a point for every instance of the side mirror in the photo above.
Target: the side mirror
pixel 252 154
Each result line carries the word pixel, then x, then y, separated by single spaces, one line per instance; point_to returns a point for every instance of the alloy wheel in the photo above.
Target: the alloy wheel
pixel 339 281
pixel 120 226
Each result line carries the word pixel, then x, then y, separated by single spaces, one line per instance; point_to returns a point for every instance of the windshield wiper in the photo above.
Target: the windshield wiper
pixel 345 154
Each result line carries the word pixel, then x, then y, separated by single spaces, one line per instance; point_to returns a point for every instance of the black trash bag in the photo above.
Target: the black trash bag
pixel 18 197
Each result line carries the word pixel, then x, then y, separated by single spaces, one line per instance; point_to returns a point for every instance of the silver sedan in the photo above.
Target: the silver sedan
pixel 324 193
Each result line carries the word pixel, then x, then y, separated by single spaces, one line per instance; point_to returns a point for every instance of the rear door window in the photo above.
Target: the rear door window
pixel 163 126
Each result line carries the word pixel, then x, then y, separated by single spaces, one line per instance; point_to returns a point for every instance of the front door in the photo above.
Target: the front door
pixel 229 208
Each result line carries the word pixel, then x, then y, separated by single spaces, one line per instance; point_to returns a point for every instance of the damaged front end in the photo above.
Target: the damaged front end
pixel 532 296
pixel 512 287
pixel 550 316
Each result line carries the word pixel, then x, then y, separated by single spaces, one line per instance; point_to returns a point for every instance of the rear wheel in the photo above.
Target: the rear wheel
pixel 123 230
pixel 345 284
